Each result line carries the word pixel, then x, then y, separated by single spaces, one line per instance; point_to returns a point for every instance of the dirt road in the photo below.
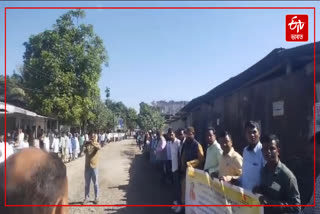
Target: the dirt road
pixel 125 177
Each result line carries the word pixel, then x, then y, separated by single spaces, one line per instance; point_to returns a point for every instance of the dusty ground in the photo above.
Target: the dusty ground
pixel 125 178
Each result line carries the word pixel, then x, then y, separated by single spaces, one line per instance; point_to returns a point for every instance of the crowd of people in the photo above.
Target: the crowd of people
pixel 259 168
pixel 41 176
pixel 67 146
pixel 38 177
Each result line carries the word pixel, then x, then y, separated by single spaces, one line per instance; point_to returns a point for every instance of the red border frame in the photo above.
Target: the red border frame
pixel 168 8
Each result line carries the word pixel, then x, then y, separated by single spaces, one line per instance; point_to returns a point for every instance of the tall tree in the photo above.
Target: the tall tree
pixel 63 66
pixel 150 117
pixel 131 119
pixel 103 119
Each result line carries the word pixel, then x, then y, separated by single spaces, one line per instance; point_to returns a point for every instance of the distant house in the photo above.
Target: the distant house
pixel 168 109
pixel 277 91
pixel 17 117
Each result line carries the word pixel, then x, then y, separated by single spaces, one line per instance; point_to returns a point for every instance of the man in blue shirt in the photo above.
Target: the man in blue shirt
pixel 253 160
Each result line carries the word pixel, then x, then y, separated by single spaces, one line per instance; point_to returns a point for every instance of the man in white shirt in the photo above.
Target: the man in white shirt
pixel 46 143
pixel 8 149
pixel 174 149
pixel 161 154
pixel 63 144
pixel 55 145
pixel 103 136
pixel 24 143
pixel 20 137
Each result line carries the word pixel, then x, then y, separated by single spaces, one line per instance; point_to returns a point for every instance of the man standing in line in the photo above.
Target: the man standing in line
pixel 181 136
pixel 5 150
pixel 253 160
pixel 91 150
pixel 175 146
pixel 214 153
pixel 191 156
pixel 278 184
pixel 161 153
pixel 55 145
pixel 230 165
pixel 81 143
pixel 20 137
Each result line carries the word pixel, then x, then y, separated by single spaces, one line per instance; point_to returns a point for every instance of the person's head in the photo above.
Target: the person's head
pixel 225 141
pixel 211 135
pixel 34 177
pixel 19 130
pixel 270 148
pixel 171 135
pixel 190 133
pixel 180 134
pixel 1 138
pixel 252 132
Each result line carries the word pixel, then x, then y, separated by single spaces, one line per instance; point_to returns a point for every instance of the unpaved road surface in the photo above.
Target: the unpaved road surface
pixel 126 177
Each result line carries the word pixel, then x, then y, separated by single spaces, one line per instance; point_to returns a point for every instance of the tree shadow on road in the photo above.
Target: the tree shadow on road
pixel 144 188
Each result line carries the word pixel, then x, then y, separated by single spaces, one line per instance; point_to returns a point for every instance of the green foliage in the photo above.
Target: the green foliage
pixel 15 93
pixel 150 117
pixel 131 119
pixel 63 66
pixel 119 110
pixel 103 119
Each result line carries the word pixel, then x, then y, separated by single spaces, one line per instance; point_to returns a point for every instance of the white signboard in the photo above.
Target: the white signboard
pixel 202 190
pixel 278 108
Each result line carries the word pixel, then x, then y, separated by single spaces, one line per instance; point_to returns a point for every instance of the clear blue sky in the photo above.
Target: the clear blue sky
pixel 164 54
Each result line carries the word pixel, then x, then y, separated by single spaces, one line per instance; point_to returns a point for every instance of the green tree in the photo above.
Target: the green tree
pixel 63 66
pixel 119 110
pixel 103 119
pixel 150 117
pixel 15 93
pixel 131 119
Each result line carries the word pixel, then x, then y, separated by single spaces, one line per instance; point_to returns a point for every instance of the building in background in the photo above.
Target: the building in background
pixel 19 118
pixel 278 92
pixel 169 109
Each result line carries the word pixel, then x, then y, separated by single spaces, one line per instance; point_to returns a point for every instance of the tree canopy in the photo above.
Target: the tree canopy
pixel 63 66
pixel 120 110
pixel 15 92
pixel 150 117
pixel 59 78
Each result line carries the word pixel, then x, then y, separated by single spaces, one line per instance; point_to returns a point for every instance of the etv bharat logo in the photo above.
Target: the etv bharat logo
pixel 297 28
